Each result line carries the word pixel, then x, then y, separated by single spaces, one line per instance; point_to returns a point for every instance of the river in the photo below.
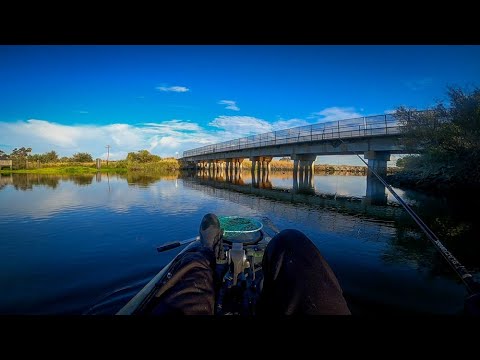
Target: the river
pixel 86 244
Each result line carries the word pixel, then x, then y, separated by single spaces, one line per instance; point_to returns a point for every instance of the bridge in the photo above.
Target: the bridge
pixel 376 137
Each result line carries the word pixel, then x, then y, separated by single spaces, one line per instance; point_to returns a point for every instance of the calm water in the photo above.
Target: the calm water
pixel 87 244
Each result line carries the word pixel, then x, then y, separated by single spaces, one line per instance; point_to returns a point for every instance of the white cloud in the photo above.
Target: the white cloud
pixel 231 105
pixel 173 88
pixel 239 126
pixel 60 135
pixel 286 124
pixel 163 138
pixel 336 113
pixel 175 125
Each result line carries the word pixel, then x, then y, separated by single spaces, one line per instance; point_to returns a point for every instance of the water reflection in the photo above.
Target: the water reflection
pixel 409 245
pixel 71 240
pixel 144 179
pixel 375 191
pixel 29 181
pixel 355 235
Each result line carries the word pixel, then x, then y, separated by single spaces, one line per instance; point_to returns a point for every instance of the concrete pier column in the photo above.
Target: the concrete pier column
pixel 377 160
pixel 240 164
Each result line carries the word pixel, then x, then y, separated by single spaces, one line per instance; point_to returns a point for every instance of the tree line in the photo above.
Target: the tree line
pixel 22 156
pixel 449 138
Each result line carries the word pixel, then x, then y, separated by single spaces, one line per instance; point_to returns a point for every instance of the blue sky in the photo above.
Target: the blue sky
pixel 168 99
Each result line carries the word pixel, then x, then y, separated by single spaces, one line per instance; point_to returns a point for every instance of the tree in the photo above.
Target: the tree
pixel 142 156
pixel 3 155
pixel 51 156
pixel 82 157
pixel 19 157
pixel 448 136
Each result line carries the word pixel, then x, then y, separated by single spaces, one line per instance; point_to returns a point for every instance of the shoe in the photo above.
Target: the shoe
pixel 210 232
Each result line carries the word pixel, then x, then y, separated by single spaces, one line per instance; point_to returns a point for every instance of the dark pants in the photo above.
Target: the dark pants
pixel 297 281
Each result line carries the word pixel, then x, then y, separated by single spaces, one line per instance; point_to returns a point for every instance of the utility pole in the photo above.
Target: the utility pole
pixel 108 152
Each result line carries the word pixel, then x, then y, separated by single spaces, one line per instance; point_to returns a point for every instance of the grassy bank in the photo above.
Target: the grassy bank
pixel 67 170
pixel 162 166
pixel 168 166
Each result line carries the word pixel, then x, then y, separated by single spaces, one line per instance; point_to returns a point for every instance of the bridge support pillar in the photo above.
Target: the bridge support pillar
pixel 228 166
pixel 238 164
pixel 303 163
pixel 377 160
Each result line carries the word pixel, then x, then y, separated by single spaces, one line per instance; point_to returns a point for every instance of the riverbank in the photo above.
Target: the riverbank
pixel 431 184
pixel 70 170
pixel 121 166
pixel 171 166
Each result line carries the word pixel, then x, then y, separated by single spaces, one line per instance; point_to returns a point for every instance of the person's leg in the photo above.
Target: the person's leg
pixel 190 287
pixel 297 279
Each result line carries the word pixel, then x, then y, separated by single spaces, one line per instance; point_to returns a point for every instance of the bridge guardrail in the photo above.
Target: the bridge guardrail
pixel 358 127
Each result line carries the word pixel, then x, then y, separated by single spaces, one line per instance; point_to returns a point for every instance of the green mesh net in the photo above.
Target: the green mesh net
pixel 237 225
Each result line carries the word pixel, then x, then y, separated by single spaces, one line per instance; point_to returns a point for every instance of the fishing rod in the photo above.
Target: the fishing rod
pixel 472 286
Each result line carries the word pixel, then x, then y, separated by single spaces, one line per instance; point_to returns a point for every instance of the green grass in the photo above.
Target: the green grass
pixel 65 170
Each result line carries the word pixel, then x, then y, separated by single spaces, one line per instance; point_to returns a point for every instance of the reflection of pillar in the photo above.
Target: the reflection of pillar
pixel 255 170
pixel 377 161
pixel 295 183
pixel 301 169
pixel 252 170
pixel 375 191
pixel 310 178
pixel 210 168
pixel 295 167
pixel 304 164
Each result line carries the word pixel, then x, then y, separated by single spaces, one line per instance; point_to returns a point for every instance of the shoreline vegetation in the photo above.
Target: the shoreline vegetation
pixel 167 166
pixel 448 136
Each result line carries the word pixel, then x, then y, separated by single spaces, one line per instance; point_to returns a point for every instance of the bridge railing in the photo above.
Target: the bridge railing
pixel 358 127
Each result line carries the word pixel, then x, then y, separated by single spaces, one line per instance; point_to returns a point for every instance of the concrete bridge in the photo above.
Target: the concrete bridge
pixel 375 137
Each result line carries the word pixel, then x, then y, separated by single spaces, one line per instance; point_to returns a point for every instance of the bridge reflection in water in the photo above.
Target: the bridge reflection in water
pixel 302 181
pixel 302 191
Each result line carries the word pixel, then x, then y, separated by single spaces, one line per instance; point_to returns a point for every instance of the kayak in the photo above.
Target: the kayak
pixel 240 267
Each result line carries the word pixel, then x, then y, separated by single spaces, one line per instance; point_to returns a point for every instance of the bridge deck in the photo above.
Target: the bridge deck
pixel 374 133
